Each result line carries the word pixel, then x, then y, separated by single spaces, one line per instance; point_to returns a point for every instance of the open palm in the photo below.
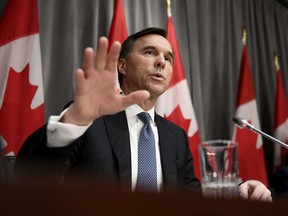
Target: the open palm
pixel 96 91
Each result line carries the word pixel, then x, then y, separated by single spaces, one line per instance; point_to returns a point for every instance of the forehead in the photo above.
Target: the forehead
pixel 154 40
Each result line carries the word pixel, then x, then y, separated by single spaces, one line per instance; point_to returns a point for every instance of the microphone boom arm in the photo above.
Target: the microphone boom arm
pixel 242 123
pixel 270 137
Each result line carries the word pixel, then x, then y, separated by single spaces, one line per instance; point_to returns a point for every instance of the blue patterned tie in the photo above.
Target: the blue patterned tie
pixel 147 170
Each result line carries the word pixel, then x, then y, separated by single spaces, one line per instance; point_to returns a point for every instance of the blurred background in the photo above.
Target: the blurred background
pixel 209 35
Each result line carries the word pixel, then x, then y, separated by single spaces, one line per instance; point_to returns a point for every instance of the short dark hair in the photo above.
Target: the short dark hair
pixel 127 45
pixel 129 42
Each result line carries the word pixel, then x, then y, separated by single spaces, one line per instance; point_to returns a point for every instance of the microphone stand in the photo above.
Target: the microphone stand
pixel 244 124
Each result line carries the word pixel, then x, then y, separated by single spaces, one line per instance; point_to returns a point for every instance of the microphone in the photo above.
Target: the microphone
pixel 242 123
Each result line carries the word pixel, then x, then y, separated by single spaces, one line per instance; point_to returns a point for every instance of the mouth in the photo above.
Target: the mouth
pixel 158 76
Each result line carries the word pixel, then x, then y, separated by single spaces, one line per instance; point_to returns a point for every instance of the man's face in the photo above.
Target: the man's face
pixel 148 66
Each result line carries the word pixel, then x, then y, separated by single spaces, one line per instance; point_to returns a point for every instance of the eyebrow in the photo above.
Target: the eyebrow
pixel 171 54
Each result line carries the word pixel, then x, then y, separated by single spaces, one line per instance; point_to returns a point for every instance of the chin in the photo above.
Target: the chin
pixel 156 89
pixel 157 93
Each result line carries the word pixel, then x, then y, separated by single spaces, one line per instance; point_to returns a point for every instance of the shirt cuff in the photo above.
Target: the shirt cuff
pixel 62 134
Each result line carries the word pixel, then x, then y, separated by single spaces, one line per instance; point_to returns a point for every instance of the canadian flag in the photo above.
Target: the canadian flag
pixel 250 150
pixel 21 87
pixel 176 104
pixel 281 120
pixel 118 28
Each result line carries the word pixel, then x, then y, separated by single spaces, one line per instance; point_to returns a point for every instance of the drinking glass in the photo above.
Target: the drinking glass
pixel 219 168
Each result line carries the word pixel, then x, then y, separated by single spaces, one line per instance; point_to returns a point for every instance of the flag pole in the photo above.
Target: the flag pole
pixel 276 63
pixel 168 4
pixel 244 34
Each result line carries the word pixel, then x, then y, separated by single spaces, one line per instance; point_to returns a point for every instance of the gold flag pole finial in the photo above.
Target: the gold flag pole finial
pixel 276 63
pixel 168 3
pixel 244 34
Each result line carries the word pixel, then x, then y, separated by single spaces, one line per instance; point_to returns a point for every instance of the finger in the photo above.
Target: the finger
pixel 255 194
pixel 265 194
pixel 79 81
pixel 101 54
pixel 135 98
pixel 88 62
pixel 243 191
pixel 113 56
pixel 266 197
pixel 258 192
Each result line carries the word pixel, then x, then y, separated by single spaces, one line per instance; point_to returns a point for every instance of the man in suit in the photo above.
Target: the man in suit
pixel 98 133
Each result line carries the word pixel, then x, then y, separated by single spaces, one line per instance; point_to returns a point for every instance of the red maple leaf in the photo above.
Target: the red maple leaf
pixel 17 118
pixel 177 118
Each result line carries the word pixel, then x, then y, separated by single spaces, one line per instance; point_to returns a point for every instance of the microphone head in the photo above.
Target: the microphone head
pixel 241 122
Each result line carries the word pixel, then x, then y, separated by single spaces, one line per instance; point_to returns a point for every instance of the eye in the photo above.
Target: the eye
pixel 169 59
pixel 149 52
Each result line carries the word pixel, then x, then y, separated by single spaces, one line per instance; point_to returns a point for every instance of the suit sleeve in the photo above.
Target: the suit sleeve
pixel 190 180
pixel 36 162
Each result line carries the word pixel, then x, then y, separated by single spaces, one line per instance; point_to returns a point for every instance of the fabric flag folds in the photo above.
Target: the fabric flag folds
pixel 250 145
pixel 21 87
pixel 176 104
pixel 281 119
pixel 118 28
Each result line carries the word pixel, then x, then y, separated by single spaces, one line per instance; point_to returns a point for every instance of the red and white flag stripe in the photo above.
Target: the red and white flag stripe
pixel 176 103
pixel 281 121
pixel 250 145
pixel 21 87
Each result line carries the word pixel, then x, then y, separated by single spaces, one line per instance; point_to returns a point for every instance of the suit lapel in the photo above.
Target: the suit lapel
pixel 167 151
pixel 117 129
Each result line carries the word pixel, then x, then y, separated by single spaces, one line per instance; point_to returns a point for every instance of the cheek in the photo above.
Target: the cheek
pixel 136 68
pixel 134 74
pixel 169 75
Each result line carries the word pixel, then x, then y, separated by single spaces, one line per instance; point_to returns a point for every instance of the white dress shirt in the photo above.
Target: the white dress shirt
pixel 62 134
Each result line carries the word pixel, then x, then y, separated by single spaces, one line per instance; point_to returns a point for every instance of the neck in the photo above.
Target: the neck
pixel 146 104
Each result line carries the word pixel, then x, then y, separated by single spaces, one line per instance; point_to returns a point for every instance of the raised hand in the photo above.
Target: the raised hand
pixel 96 91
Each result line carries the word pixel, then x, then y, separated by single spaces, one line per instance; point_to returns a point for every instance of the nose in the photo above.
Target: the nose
pixel 160 62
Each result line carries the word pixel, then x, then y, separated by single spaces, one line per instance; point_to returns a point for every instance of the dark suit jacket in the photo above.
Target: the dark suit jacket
pixel 280 181
pixel 103 152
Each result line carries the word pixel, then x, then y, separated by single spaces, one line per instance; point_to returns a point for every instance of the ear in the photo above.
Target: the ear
pixel 122 66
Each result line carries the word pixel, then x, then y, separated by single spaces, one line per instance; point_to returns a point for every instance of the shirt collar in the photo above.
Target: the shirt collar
pixel 133 110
